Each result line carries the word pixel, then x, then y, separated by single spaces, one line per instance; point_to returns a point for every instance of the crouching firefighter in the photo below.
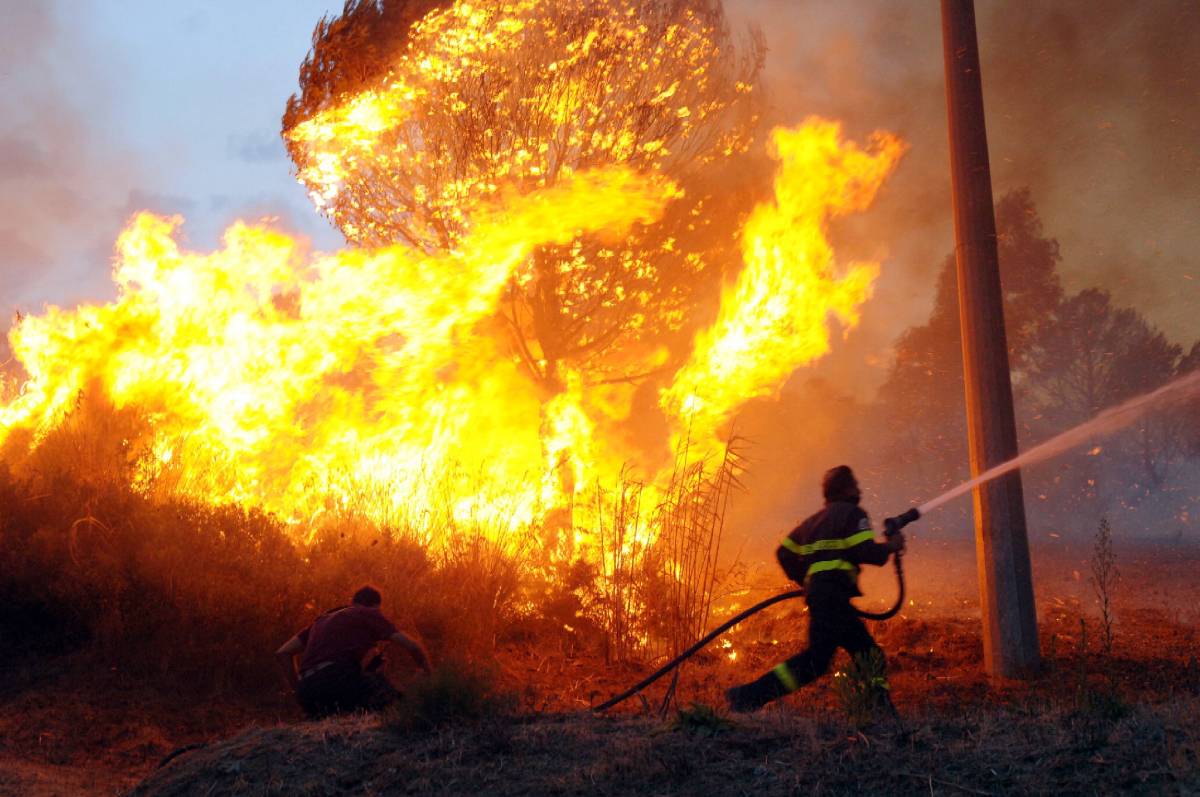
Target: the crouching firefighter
pixel 331 678
pixel 824 554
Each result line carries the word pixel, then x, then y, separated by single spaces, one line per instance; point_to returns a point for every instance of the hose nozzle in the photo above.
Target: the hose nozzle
pixel 892 525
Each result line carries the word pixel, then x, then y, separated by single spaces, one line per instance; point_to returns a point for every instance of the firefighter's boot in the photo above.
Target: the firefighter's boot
pixel 756 694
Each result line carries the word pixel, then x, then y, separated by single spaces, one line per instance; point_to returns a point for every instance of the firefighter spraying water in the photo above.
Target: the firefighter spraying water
pixel 807 552
pixel 824 554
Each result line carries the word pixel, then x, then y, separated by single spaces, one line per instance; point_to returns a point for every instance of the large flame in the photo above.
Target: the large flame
pixel 365 378
pixel 380 380
pixel 773 319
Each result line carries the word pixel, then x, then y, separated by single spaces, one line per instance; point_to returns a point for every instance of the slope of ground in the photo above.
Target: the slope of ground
pixel 1152 750
pixel 1094 721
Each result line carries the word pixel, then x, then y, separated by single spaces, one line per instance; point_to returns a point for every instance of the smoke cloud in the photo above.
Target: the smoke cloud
pixel 1092 105
pixel 63 188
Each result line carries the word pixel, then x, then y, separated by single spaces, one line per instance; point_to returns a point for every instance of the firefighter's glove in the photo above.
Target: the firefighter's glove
pixel 895 543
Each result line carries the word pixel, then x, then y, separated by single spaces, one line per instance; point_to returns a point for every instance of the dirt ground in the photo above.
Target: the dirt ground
pixel 1091 723
pixel 70 727
pixel 1151 751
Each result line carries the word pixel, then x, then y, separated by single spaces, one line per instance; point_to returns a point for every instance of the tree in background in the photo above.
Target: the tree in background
pixel 531 96
pixel 922 399
pixel 1191 410
pixel 1071 357
pixel 1093 355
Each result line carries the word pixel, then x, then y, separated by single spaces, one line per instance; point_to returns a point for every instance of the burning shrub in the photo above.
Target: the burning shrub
pixel 179 591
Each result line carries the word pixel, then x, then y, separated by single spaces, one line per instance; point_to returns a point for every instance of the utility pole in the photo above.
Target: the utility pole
pixel 1010 643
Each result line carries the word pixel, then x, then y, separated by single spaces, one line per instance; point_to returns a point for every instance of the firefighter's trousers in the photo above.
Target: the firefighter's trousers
pixel 833 624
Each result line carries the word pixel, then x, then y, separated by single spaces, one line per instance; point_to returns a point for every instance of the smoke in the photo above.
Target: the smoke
pixel 63 188
pixel 1092 105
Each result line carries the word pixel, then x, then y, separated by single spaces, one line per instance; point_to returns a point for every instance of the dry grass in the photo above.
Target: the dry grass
pixel 628 567
pixel 454 693
pixel 982 751
pixel 958 730
pixel 175 588
pixel 653 592
pixel 174 591
pixel 133 625
pixel 691 522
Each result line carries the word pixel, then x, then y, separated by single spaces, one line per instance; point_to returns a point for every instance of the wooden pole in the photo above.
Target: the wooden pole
pixel 1010 642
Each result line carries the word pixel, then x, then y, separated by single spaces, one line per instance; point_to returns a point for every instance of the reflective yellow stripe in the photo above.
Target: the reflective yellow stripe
pixel 793 546
pixel 831 564
pixel 839 544
pixel 879 682
pixel 785 677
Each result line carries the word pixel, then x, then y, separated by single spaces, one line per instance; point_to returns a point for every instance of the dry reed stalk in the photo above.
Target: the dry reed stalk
pixel 622 573
pixel 691 522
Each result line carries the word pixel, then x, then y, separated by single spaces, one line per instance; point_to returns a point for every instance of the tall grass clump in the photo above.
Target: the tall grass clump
pixel 691 522
pixel 1101 701
pixel 1105 576
pixel 653 593
pixel 626 566
pixel 177 591
pixel 861 688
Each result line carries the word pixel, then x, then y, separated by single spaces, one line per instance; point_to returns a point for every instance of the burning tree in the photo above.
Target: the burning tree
pixel 535 194
pixel 530 188
pixel 405 121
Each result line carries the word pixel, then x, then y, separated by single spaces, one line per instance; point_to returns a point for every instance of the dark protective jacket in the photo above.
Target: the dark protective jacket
pixel 830 546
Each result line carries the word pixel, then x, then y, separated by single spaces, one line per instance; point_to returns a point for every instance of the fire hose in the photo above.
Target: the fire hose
pixel 892 527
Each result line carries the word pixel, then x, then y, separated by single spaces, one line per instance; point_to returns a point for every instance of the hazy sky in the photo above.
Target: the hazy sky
pixel 111 107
